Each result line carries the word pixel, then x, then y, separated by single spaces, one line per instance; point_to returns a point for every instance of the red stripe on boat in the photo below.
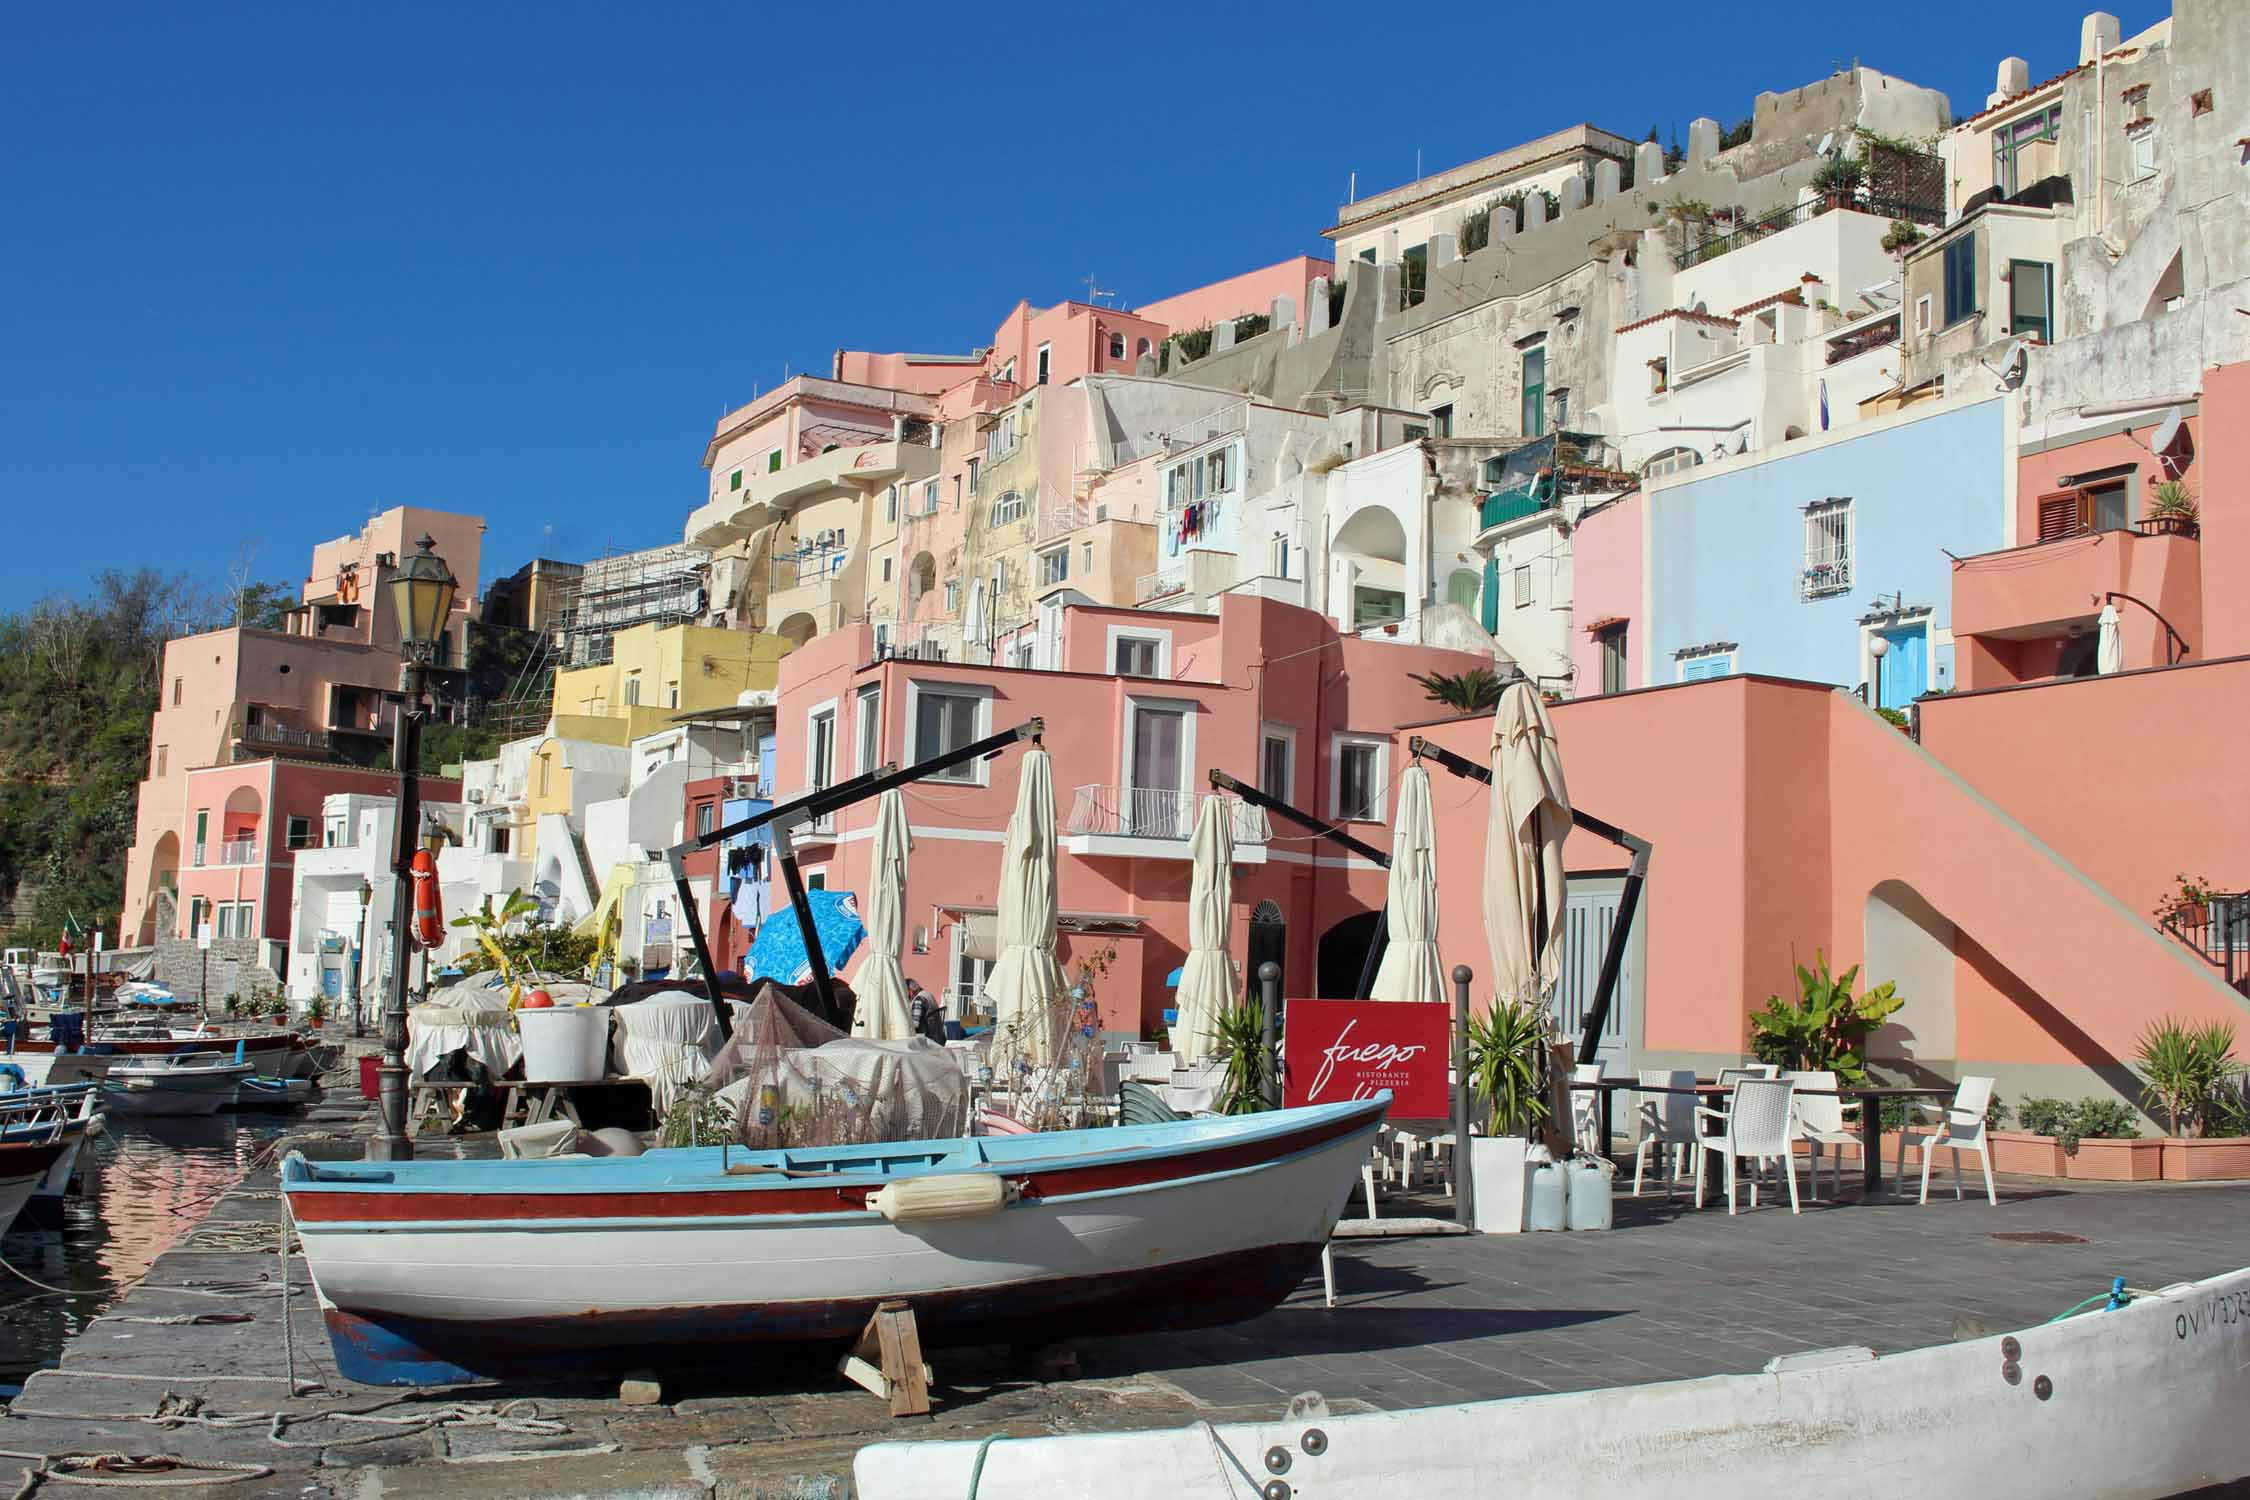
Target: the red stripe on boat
pixel 313 1205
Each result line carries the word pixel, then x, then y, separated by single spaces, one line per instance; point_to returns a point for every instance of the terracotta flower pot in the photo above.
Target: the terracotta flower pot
pixel 2221 1159
pixel 2117 1161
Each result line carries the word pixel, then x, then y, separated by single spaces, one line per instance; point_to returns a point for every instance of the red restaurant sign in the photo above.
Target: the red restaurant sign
pixel 1336 1050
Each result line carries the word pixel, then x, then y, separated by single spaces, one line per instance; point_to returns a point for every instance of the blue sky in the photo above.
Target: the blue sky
pixel 270 269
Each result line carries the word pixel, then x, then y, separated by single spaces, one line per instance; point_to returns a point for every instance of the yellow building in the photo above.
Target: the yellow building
pixel 657 672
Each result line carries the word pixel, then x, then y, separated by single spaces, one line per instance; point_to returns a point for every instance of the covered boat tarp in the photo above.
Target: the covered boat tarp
pixel 484 1034
pixel 779 952
pixel 794 1080
pixel 667 1040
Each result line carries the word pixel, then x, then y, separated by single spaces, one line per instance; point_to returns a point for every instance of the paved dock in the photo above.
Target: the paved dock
pixel 193 1362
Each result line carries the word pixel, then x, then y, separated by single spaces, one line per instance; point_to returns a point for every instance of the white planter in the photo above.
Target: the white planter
pixel 1501 1174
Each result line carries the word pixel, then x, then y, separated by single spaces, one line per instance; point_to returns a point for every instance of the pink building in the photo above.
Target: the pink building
pixel 1145 704
pixel 314 692
pixel 1241 296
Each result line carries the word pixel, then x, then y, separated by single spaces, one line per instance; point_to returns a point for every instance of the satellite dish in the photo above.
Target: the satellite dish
pixel 1827 143
pixel 2014 364
pixel 2167 433
pixel 1740 442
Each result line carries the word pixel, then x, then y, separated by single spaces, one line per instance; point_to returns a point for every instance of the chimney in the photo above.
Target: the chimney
pixel 2014 78
pixel 2097 34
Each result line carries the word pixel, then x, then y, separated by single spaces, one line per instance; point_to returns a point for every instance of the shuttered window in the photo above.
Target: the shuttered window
pixel 2062 514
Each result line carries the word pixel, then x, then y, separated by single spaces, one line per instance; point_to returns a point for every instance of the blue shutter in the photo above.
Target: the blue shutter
pixel 1490 613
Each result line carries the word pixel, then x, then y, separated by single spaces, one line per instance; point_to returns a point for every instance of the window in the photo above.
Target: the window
pixel 773 461
pixel 1141 347
pixel 2031 285
pixel 1046 361
pixel 953 596
pixel 1441 420
pixel 929 498
pixel 1277 560
pixel 706 818
pixel 672 695
pixel 195 916
pixel 1054 567
pixel 177 682
pixel 1491 474
pixel 1160 753
pixel 867 725
pixel 1359 780
pixel 297 832
pixel 1137 655
pixel 632 690
pixel 1086 558
pixel 1828 548
pixel 1117 346
pixel 946 721
pixel 1922 313
pixel 1414 432
pixel 1376 607
pixel 890 505
pixel 1001 440
pixel 1960 279
pixel 1659 376
pixel 1008 373
pixel 1558 406
pixel 820 748
pixel 160 759
pixel 202 832
pixel 2144 152
pixel 2107 507
pixel 975 465
pixel 886 570
pixel 1009 508
pixel 1218 472
pixel 1534 413
pixel 224 925
pixel 2010 141
pixel 1414 274
pixel 1612 640
pixel 1695 666
pixel 1277 762
pixel 1522 585
pixel 1670 461
pixel 734 480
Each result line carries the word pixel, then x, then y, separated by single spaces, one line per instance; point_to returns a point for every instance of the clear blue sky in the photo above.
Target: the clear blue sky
pixel 269 269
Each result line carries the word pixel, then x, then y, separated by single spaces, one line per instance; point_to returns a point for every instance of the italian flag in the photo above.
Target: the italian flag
pixel 73 934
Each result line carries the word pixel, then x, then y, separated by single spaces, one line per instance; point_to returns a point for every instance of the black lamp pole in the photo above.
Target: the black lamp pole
pixel 422 594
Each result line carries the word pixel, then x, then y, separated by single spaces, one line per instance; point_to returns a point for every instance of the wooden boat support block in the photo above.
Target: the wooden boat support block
pixel 887 1361
pixel 641 1388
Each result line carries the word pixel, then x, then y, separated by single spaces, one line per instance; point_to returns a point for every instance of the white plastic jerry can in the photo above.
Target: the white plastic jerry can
pixel 1550 1197
pixel 1590 1196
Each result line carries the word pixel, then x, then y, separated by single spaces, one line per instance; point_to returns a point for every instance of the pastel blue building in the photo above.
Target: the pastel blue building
pixel 1794 565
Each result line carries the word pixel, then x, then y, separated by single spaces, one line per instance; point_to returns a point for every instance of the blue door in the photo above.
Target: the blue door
pixel 1905 667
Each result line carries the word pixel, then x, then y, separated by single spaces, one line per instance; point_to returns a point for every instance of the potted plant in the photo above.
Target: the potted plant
pixel 1825 1029
pixel 1903 233
pixel 1839 180
pixel 2193 1083
pixel 2185 903
pixel 2173 509
pixel 1506 1045
pixel 316 1011
pixel 2108 1145
pixel 234 1005
pixel 1241 1049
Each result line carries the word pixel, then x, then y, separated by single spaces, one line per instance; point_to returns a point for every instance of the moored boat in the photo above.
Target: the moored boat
pixel 38 1115
pixel 24 1164
pixel 195 1083
pixel 273 1093
pixel 436 1272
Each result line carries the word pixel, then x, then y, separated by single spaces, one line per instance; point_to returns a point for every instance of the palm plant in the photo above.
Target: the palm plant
pixel 1506 1045
pixel 1473 691
pixel 1240 1039
pixel 2188 1070
pixel 1825 1028
pixel 2172 497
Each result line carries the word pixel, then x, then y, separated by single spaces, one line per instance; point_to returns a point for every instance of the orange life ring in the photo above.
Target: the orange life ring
pixel 429 921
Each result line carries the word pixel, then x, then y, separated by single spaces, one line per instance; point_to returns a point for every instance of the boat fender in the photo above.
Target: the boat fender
pixel 946 1195
pixel 10 1070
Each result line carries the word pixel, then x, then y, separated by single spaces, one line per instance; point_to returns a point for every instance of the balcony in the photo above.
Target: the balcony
pixel 1791 216
pixel 1156 823
pixel 821 829
pixel 2032 612
pixel 734 515
pixel 238 851
pixel 255 738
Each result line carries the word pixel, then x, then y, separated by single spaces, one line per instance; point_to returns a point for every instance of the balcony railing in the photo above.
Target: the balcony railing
pixel 822 826
pixel 238 852
pixel 1140 812
pixel 2218 928
pixel 1803 213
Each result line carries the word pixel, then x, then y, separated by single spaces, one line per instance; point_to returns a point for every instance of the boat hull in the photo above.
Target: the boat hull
pixel 182 1091
pixel 2135 1404
pixel 22 1168
pixel 670 1279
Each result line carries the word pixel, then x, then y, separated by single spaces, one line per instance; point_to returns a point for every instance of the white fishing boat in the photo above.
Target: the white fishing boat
pixel 58 1069
pixel 273 1093
pixel 194 1083
pixel 24 1164
pixel 2143 1401
pixel 41 1115
pixel 433 1272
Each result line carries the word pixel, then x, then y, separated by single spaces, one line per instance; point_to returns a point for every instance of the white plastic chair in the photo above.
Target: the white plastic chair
pixel 1728 1078
pixel 1667 1123
pixel 1819 1119
pixel 1961 1130
pixel 1586 1110
pixel 1755 1125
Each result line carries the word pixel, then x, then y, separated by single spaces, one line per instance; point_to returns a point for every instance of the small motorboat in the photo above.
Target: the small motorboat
pixel 194 1083
pixel 57 1069
pixel 435 1272
pixel 33 1115
pixel 273 1093
pixel 24 1165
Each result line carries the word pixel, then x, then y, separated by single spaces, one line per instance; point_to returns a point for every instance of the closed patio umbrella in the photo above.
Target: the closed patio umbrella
pixel 880 983
pixel 1207 979
pixel 2109 650
pixel 1410 969
pixel 1026 984
pixel 1523 842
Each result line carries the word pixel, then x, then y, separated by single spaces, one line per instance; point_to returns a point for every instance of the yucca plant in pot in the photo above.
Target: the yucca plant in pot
pixel 1240 1043
pixel 1507 1045
pixel 2192 1081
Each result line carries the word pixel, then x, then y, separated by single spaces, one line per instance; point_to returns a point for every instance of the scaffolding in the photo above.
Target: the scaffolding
pixel 662 585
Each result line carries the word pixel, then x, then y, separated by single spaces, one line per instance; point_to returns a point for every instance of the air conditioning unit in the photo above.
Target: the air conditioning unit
pixel 1101 512
pixel 473 795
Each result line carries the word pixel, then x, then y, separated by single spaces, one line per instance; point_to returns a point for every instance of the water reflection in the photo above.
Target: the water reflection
pixel 146 1183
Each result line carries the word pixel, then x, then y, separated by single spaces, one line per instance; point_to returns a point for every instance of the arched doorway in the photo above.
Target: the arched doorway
pixel 163 875
pixel 1343 954
pixel 1269 943
pixel 797 629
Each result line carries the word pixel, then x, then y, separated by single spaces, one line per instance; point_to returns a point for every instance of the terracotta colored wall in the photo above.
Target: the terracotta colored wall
pixel 2040 473
pixel 2224 494
pixel 1237 296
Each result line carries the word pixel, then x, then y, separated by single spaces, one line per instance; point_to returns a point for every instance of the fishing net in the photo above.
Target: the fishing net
pixel 788 1079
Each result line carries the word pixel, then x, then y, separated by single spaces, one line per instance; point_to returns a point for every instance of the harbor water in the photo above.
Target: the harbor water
pixel 144 1184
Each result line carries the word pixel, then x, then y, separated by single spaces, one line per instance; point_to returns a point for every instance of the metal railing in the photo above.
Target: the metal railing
pixel 1156 585
pixel 2218 928
pixel 821 825
pixel 1140 812
pixel 1803 213
pixel 238 852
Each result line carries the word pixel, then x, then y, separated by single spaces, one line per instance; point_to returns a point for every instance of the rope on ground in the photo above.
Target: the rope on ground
pixel 518 1418
pixel 181 1320
pixel 130 1471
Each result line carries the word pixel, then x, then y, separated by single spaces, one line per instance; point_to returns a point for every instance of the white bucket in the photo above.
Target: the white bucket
pixel 565 1043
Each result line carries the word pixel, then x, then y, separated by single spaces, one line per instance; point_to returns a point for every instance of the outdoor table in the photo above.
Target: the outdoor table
pixel 1869 1096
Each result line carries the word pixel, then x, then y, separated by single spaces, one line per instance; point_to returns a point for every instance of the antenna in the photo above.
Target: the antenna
pixel 1095 292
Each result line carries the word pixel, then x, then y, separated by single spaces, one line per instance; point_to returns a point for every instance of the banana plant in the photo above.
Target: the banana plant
pixel 1825 1028
pixel 491 926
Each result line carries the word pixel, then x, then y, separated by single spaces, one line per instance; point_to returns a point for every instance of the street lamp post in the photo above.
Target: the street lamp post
pixel 422 598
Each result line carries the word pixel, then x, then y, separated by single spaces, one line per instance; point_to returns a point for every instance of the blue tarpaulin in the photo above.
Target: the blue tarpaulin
pixel 779 952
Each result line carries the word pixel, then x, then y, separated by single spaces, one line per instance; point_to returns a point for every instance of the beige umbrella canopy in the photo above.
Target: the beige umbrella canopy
pixel 1026 984
pixel 1523 849
pixel 880 983
pixel 1410 969
pixel 1207 979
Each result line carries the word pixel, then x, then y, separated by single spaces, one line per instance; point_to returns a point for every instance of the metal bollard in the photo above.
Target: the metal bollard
pixel 1464 1179
pixel 1269 998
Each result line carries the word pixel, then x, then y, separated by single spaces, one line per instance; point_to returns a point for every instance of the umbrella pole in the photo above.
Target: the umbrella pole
pixel 785 851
